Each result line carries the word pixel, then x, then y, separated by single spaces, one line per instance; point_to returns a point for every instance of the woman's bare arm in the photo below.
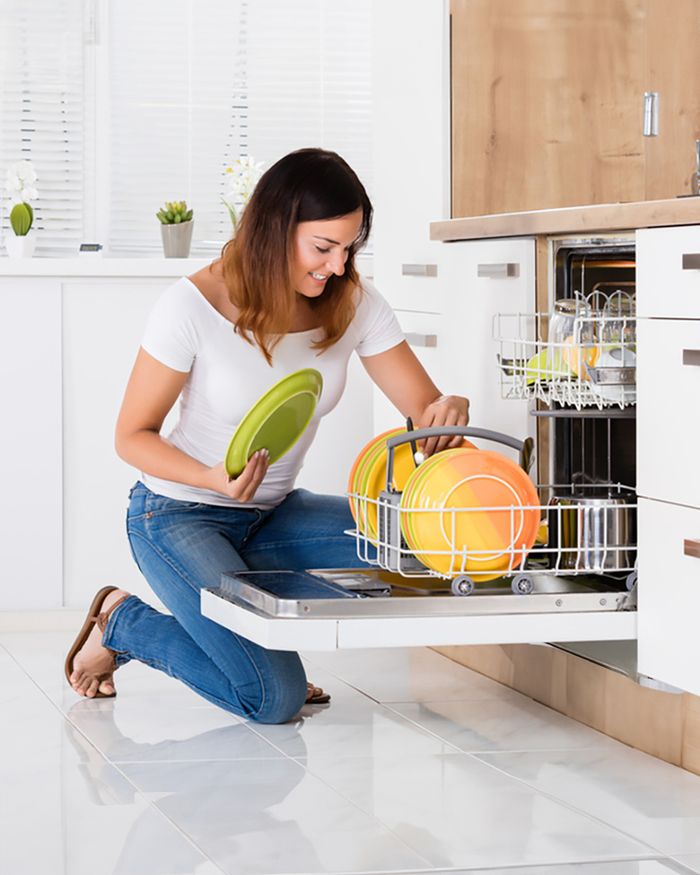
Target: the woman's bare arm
pixel 403 379
pixel 151 392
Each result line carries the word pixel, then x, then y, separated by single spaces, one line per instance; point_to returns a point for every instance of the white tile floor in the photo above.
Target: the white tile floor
pixel 418 765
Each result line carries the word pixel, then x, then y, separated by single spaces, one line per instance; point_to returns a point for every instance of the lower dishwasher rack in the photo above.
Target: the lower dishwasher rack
pixel 357 608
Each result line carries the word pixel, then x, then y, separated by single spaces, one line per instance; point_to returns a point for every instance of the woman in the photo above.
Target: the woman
pixel 284 295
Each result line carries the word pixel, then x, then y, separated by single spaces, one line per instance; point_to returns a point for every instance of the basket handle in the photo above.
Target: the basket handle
pixel 524 447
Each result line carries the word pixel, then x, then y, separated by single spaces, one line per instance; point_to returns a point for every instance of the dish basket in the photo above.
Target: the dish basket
pixel 581 529
pixel 590 363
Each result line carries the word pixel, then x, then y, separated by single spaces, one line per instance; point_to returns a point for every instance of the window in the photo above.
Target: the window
pixel 124 105
pixel 197 84
pixel 42 114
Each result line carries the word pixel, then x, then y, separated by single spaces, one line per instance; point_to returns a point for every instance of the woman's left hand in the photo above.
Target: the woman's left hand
pixel 445 410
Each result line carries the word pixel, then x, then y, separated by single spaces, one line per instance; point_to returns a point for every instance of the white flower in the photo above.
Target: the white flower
pixel 19 183
pixel 242 176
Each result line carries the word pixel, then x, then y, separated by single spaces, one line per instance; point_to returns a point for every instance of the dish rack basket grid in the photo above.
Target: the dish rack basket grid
pixel 382 521
pixel 387 547
pixel 594 366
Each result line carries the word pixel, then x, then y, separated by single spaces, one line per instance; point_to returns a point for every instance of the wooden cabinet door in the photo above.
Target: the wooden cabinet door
pixel 673 70
pixel 547 102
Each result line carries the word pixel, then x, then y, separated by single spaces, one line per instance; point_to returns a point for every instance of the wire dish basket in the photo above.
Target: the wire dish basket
pixel 581 355
pixel 583 529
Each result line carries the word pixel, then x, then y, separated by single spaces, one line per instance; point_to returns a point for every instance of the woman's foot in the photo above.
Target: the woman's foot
pixel 316 695
pixel 93 664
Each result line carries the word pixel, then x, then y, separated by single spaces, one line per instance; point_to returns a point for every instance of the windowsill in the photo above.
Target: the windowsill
pixel 103 265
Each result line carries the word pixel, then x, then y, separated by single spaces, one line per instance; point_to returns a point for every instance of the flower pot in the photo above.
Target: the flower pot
pixel 177 239
pixel 20 247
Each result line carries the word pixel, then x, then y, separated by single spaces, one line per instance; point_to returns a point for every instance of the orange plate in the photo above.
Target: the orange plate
pixel 497 527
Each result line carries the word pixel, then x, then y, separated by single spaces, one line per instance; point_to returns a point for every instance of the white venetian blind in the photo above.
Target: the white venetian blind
pixel 41 114
pixel 199 82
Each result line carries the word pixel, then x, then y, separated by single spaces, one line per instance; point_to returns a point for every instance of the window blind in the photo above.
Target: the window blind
pixel 196 85
pixel 42 115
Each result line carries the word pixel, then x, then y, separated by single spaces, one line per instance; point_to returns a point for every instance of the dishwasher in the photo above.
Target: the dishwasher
pixel 576 583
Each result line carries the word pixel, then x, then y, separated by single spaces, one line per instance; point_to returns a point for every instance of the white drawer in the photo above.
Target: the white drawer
pixel 664 286
pixel 668 410
pixel 669 594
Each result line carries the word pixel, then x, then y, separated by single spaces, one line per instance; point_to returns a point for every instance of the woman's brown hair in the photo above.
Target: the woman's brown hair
pixel 304 186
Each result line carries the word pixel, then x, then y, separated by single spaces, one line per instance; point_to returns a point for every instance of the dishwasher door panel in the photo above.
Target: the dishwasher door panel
pixel 559 610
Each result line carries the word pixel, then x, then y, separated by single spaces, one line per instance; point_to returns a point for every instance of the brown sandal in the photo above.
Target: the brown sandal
pixel 316 696
pixel 94 615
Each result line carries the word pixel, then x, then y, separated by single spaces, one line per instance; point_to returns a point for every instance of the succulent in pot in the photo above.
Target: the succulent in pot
pixel 176 226
pixel 19 185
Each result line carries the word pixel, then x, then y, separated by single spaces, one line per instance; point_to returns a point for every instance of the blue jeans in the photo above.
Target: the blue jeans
pixel 181 547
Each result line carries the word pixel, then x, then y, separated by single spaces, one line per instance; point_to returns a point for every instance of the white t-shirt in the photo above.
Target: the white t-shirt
pixel 226 375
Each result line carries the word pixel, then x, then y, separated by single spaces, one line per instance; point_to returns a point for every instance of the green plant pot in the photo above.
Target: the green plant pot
pixel 177 239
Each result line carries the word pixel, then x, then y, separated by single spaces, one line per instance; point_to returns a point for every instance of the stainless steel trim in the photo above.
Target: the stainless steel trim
pixel 552 595
pixel 691 357
pixel 651 114
pixel 691 260
pixel 415 339
pixel 691 547
pixel 419 270
pixel 498 271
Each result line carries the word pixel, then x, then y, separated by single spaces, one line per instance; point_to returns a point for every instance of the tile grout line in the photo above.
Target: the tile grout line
pixel 149 803
pixel 656 852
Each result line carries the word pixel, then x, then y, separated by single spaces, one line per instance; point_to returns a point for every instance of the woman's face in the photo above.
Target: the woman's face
pixel 321 250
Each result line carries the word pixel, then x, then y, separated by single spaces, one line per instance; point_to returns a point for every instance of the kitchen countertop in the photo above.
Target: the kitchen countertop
pixel 571 220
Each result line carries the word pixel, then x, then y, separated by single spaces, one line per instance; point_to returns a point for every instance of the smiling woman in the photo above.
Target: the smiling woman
pixel 284 296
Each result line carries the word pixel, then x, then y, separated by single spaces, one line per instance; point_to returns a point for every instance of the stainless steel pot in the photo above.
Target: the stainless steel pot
pixel 593 532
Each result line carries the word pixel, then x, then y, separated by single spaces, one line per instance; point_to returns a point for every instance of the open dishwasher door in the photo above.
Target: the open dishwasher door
pixel 356 608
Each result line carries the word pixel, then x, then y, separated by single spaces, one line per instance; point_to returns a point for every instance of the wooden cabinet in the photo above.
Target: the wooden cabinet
pixel 548 101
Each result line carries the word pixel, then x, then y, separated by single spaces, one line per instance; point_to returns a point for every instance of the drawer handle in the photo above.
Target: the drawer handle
pixel 419 270
pixel 691 261
pixel 498 271
pixel 691 547
pixel 691 357
pixel 421 339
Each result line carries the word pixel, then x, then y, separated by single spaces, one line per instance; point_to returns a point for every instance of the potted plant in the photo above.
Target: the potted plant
pixel 176 229
pixel 21 178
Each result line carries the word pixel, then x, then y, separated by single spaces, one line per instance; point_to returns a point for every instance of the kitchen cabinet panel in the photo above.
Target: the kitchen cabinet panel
pixel 481 279
pixel 668 272
pixel 669 594
pixel 548 102
pixel 31 542
pixel 668 413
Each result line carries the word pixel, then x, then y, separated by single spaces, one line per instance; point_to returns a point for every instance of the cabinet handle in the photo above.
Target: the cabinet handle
pixel 691 547
pixel 419 270
pixel 414 339
pixel 691 357
pixel 651 114
pixel 691 261
pixel 498 271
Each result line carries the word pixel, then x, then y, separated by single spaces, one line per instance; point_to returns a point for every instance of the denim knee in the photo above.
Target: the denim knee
pixel 278 703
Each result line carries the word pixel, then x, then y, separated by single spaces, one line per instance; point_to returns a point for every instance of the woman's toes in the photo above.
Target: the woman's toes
pixel 106 688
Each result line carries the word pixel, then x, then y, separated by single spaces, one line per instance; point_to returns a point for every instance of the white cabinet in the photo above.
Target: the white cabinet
pixel 668 401
pixel 31 536
pixel 668 469
pixel 411 155
pixel 669 594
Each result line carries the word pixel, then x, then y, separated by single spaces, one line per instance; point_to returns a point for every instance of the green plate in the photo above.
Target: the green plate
pixel 276 421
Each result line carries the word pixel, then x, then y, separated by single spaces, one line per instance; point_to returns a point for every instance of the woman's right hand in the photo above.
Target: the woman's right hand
pixel 243 487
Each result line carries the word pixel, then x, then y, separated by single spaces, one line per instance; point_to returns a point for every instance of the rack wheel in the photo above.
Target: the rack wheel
pixel 462 585
pixel 631 581
pixel 522 584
